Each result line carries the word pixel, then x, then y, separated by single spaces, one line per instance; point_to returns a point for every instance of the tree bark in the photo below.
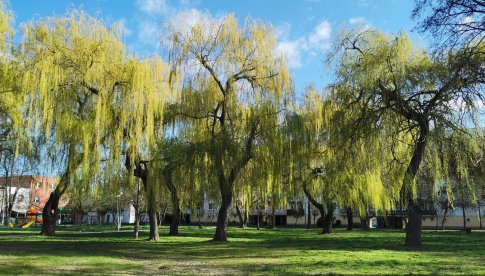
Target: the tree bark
pixel 479 214
pixel 273 218
pixel 414 225
pixel 137 210
pixel 364 223
pixel 309 216
pixel 257 217
pixel 222 216
pixel 50 211
pixel 447 206
pixel 242 220
pixel 464 216
pixel 321 209
pixel 152 213
pixel 174 224
pixel 327 218
pixel 140 170
pixel 350 218
pixel 226 184
pixel 49 214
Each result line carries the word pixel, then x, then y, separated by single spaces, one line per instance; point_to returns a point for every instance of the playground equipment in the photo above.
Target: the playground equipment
pixel 35 214
pixel 27 224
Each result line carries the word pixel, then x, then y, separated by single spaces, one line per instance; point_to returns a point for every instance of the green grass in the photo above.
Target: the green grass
pixel 285 251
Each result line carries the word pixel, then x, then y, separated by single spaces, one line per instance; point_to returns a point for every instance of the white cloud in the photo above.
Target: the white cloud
pixel 357 20
pixel 183 21
pixel 360 22
pixel 320 38
pixel 311 44
pixel 293 50
pixel 153 7
pixel 149 32
pixel 282 30
pixel 190 3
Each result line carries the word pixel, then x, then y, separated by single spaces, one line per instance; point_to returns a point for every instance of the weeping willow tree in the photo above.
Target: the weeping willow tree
pixel 234 86
pixel 462 154
pixel 394 88
pixel 182 174
pixel 329 169
pixel 84 93
pixel 10 114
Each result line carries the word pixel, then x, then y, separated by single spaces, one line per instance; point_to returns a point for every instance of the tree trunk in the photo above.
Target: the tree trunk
pixel 242 220
pixel 174 224
pixel 257 217
pixel 222 216
pixel 153 226
pixel 414 225
pixel 309 216
pixel 140 170
pixel 273 218
pixel 327 218
pixel 364 221
pixel 479 214
pixel 152 213
pixel 137 210
pixel 49 214
pixel 350 218
pixel 447 206
pixel 464 217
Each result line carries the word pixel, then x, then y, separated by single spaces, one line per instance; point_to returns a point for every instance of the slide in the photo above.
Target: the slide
pixel 28 224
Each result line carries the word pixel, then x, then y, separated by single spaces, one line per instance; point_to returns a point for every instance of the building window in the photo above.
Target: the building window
pixel 211 206
pixel 38 185
pixel 64 201
pixel 51 186
pixel 36 200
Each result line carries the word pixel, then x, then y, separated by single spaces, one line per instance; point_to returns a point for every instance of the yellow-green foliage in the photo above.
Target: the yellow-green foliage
pixel 399 102
pixel 6 30
pixel 85 89
pixel 234 87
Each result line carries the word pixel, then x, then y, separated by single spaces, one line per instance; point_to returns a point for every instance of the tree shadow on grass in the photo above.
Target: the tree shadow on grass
pixel 297 247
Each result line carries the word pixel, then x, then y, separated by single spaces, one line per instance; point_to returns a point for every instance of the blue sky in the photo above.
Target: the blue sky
pixel 305 28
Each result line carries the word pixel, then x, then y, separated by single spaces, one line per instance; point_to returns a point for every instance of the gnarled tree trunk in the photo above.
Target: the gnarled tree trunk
pixel 325 215
pixel 226 184
pixel 50 211
pixel 414 225
pixel 222 216
pixel 49 214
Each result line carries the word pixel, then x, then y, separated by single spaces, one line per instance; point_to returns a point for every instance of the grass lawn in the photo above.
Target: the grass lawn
pixel 281 251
